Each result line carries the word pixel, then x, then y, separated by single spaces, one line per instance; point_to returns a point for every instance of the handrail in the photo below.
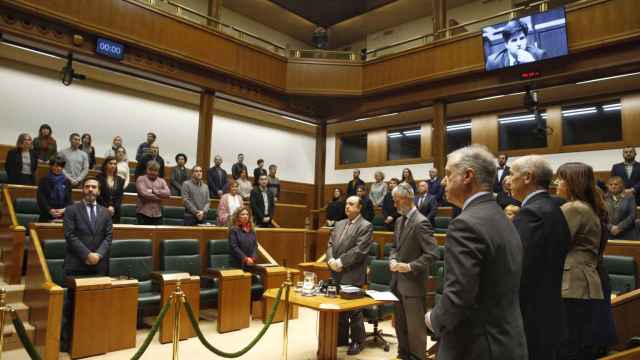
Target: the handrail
pixel 266 255
pixel 35 240
pixel 10 209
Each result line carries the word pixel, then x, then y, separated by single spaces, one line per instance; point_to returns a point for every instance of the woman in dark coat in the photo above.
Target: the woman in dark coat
pixel 242 240
pixel 335 208
pixel 22 162
pixel 89 149
pixel 45 144
pixel 54 191
pixel 111 188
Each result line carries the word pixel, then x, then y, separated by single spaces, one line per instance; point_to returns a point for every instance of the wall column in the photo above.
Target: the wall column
pixel 205 128
pixel 439 17
pixel 439 136
pixel 321 159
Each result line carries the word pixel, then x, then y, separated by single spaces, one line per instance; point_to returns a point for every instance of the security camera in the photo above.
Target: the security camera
pixel 67 75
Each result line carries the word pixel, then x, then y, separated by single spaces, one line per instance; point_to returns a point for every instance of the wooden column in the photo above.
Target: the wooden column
pixel 439 17
pixel 213 10
pixel 321 158
pixel 439 136
pixel 205 126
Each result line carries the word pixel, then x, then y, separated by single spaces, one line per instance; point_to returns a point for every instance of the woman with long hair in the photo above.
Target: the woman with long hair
pixel 123 165
pixel 229 203
pixel 244 185
pixel 89 149
pixel 242 239
pixel 585 288
pixel 45 144
pixel 111 188
pixel 22 162
pixel 54 191
pixel 407 176
pixel 335 208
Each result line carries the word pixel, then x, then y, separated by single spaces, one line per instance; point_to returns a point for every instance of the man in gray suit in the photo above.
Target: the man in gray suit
pixel 478 316
pixel 412 250
pixel 347 255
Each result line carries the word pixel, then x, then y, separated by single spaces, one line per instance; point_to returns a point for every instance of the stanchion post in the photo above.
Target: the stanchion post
pixel 287 286
pixel 177 298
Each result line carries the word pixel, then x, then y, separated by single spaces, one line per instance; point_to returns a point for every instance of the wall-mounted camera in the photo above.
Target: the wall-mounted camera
pixel 67 75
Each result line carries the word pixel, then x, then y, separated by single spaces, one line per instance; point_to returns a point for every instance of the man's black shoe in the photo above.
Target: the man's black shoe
pixel 354 349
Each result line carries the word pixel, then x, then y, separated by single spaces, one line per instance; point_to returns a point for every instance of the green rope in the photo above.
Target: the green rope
pixel 196 327
pixel 22 334
pixel 153 331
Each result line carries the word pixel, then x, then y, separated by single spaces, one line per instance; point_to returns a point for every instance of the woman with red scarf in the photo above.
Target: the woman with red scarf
pixel 242 240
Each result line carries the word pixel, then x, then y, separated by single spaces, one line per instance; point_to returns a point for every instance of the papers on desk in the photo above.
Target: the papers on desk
pixel 382 295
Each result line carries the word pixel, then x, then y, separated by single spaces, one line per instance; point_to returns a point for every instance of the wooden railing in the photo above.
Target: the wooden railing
pixel 12 239
pixel 626 308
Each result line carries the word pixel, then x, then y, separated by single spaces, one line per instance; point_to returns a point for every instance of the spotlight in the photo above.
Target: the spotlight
pixel 67 75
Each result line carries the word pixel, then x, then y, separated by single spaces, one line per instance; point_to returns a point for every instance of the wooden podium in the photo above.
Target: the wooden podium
pixel 272 278
pixel 234 299
pixel 104 315
pixel 190 285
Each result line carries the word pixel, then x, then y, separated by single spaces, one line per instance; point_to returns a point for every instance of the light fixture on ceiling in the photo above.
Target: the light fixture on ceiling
pixel 520 118
pixel 607 78
pixel 499 96
pixel 460 126
pixel 298 120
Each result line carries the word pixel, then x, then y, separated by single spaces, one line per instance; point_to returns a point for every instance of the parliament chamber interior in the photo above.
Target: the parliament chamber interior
pixel 132 225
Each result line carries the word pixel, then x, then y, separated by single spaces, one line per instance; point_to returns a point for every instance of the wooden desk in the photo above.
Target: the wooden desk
pixel 273 277
pixel 190 285
pixel 321 269
pixel 329 309
pixel 104 315
pixel 234 299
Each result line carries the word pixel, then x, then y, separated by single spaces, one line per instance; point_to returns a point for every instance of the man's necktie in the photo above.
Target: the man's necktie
pixel 92 216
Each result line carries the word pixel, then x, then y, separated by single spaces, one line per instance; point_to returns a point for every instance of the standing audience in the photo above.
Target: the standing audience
pixel 243 244
pixel 229 203
pixel 111 188
pixel 621 210
pixel 367 211
pixel 151 190
pixel 586 297
pixel 152 153
pixel 629 171
pixel 412 252
pixel 378 189
pixel 352 186
pixel 217 178
pixel 22 162
pixel 435 185
pixel 89 149
pixel 195 196
pixel 123 165
pixel 179 174
pixel 262 203
pixel 502 172
pixel 77 161
pixel 54 191
pixel 504 197
pixel 478 315
pixel 244 185
pixel 426 203
pixel 407 176
pixel 336 208
pixel 274 182
pixel 389 211
pixel 45 144
pixel 236 169
pixel 259 171
pixel 115 144
pixel 545 239
pixel 145 147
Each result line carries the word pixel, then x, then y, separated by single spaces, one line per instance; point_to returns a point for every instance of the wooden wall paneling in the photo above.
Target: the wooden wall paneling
pixel 439 136
pixel 426 151
pixel 205 128
pixel 331 77
pixel 286 246
pixel 625 310
pixel 320 168
pixel 554 121
pixel 484 130
pixel 377 146
pixel 631 119
pixel 291 216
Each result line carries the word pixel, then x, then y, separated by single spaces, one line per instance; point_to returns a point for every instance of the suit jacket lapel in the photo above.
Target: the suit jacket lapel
pixel 83 212
pixel 408 225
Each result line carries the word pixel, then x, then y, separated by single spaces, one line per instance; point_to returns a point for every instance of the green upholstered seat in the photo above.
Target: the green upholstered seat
pixel 378 223
pixel 442 224
pixel 439 284
pixel 27 211
pixel 438 263
pixel 54 252
pixel 622 273
pixel 374 251
pixel 219 258
pixel 131 188
pixel 183 255
pixel 4 179
pixel 128 214
pixel 386 250
pixel 173 215
pixel 380 280
pixel 212 215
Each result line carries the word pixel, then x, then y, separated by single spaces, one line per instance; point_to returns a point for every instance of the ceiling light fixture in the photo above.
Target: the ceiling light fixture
pixel 607 78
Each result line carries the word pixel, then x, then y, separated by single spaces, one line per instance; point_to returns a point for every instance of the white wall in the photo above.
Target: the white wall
pixel 233 18
pixel 293 152
pixel 32 96
pixel 334 176
pixel 600 160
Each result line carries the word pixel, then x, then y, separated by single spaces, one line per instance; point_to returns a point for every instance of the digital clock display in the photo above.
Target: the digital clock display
pixel 110 48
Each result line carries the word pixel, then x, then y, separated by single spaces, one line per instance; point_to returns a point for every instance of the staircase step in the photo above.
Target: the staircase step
pixel 11 339
pixel 14 292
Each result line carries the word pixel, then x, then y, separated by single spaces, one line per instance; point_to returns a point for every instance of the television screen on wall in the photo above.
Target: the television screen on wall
pixel 525 40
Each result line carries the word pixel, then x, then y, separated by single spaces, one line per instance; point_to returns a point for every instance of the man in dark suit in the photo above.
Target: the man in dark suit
pixel 88 234
pixel 629 171
pixel 347 255
pixel 517 50
pixel 217 178
pixel 426 203
pixel 389 211
pixel 412 251
pixel 435 185
pixel 237 168
pixel 502 172
pixel 262 203
pixel 352 186
pixel 545 239
pixel 478 315
pixel 368 213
